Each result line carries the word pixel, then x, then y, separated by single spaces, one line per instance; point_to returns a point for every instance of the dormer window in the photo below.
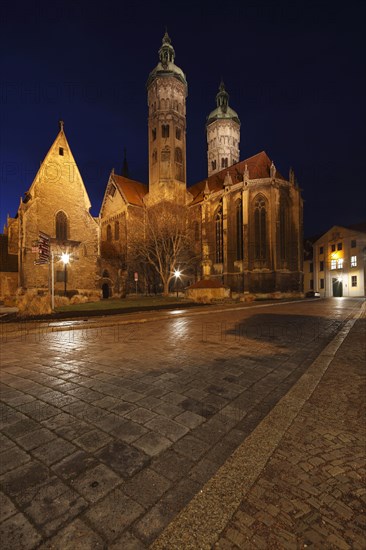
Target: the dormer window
pixel 61 151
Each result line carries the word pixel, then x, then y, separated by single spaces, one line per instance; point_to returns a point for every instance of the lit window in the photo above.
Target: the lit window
pixel 333 264
pixel 340 263
pixel 354 280
pixel 353 261
pixel 339 246
pixel 321 283
pixel 321 250
pixel 353 244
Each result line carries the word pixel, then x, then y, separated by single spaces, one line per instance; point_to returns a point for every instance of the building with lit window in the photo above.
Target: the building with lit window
pixel 339 261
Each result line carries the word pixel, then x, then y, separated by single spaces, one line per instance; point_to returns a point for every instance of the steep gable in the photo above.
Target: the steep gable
pixel 120 193
pixel 58 175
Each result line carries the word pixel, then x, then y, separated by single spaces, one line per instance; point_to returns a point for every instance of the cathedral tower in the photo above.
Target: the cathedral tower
pixel 223 134
pixel 166 93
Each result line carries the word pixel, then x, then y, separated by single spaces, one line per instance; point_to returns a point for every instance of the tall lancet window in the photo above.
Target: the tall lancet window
pixel 260 229
pixel 239 230
pixel 219 227
pixel 61 226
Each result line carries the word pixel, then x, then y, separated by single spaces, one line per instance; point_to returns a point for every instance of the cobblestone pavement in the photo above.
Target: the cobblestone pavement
pixel 312 493
pixel 106 434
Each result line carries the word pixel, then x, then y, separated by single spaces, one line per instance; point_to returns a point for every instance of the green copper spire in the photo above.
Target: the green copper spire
pixel 223 110
pixel 222 97
pixel 166 65
pixel 166 52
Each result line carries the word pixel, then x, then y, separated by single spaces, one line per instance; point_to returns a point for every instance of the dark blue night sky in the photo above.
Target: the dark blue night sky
pixel 295 73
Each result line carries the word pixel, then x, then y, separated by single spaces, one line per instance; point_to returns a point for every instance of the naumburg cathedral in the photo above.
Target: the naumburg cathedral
pixel 247 217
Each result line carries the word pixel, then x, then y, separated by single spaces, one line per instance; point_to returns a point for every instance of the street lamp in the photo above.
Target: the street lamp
pixel 65 258
pixel 177 275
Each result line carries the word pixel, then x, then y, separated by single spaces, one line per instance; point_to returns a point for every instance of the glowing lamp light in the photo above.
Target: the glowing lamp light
pixel 65 258
pixel 177 273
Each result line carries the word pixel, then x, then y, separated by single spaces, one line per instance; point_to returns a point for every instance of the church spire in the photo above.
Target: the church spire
pixel 166 52
pixel 125 164
pixel 222 97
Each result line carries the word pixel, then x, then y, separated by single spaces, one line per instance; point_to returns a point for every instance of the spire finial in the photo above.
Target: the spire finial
pixel 166 37
pixel 125 164
pixel 222 97
pixel 166 52
pixel 61 125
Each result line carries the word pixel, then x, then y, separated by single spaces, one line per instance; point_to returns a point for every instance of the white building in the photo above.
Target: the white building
pixel 339 261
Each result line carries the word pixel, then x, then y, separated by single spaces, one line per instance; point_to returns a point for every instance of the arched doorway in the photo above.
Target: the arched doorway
pixel 105 291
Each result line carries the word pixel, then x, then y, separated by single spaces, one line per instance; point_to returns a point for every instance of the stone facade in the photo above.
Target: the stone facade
pixel 166 95
pixel 56 204
pixel 223 134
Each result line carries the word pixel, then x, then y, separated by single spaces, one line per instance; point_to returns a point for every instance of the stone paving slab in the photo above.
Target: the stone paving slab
pixel 106 443
pixel 311 491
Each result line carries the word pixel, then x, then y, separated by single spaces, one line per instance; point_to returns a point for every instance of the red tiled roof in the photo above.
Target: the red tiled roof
pixel 134 191
pixel 258 166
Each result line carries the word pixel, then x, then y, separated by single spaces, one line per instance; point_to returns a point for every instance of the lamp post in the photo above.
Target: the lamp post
pixel 177 275
pixel 65 258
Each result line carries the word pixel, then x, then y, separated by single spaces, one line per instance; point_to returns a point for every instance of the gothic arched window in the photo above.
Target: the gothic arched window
pixel 239 230
pixel 213 164
pixel 165 130
pixel 61 226
pixel 260 229
pixel 109 233
pixel 224 162
pixel 116 231
pixel 219 234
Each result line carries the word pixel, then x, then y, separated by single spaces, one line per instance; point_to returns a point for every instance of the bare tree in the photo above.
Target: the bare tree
pixel 164 240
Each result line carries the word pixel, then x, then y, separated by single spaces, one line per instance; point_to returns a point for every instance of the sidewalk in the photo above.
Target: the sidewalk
pixel 311 492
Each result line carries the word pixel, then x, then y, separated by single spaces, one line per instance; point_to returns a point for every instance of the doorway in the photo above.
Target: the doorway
pixel 337 288
pixel 105 291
